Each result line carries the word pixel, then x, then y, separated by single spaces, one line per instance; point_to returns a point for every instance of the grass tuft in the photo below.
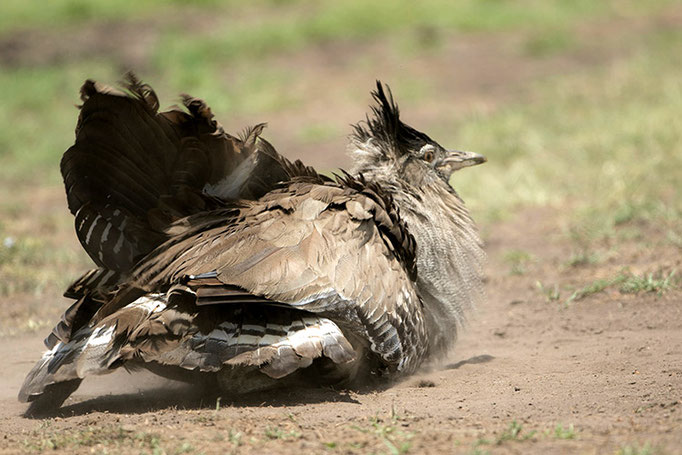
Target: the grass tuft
pixel 518 261
pixel 513 433
pixel 561 432
pixel 549 42
pixel 582 259
pixel 551 293
pixel 388 431
pixel 95 438
pixel 658 283
pixel 596 287
pixel 274 432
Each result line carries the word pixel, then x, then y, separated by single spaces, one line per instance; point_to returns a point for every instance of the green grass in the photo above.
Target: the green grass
pixel 286 27
pixel 39 257
pixel 551 293
pixel 389 432
pixel 319 132
pixel 550 42
pixel 564 432
pixel 629 283
pixel 608 141
pixel 18 14
pixel 32 263
pixel 514 432
pixel 96 438
pixel 518 261
pixel 288 30
pixel 583 258
pixel 274 432
pixel 658 283
pixel 37 118
pixel 596 287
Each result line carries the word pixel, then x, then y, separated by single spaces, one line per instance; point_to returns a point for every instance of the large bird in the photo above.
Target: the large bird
pixel 217 257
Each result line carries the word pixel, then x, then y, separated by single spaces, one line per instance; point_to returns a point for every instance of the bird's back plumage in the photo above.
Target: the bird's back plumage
pixel 217 255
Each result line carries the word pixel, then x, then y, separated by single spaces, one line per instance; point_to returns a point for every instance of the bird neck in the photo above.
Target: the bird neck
pixel 449 249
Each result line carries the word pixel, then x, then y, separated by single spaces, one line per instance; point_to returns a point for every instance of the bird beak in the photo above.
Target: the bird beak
pixel 455 159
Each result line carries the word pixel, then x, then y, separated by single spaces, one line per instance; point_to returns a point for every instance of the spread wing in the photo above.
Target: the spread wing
pixel 134 170
pixel 323 248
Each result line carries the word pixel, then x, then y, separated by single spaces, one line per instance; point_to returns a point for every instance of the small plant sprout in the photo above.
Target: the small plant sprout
pixel 551 293
pixel 561 432
pixel 518 261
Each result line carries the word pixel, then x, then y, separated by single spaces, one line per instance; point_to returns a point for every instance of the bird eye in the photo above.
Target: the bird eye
pixel 428 156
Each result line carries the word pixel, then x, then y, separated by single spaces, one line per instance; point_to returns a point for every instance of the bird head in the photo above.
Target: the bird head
pixel 383 141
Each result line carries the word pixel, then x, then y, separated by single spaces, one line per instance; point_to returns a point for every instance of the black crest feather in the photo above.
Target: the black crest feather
pixel 386 127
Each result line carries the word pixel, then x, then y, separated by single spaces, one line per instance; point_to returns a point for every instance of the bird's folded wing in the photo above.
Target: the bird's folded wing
pixel 322 248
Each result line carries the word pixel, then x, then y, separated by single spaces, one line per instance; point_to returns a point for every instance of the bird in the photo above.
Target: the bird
pixel 217 257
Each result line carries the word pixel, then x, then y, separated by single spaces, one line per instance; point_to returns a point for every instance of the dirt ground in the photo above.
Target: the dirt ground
pixel 529 375
pixel 532 373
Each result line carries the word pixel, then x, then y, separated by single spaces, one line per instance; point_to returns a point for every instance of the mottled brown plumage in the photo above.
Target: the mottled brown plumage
pixel 218 256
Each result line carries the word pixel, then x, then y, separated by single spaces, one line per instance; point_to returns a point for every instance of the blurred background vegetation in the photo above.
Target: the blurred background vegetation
pixel 577 104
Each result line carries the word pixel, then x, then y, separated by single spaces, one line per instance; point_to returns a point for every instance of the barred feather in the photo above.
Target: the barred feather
pixel 153 329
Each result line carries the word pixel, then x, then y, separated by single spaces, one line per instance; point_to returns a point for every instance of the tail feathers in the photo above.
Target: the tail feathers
pixel 91 350
pixel 74 318
pixel 321 338
pixel 277 349
pixel 52 398
pixel 159 330
pixel 90 292
pixel 85 354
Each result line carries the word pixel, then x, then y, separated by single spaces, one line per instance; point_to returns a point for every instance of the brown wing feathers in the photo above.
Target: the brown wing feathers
pixel 308 246
pixel 214 250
